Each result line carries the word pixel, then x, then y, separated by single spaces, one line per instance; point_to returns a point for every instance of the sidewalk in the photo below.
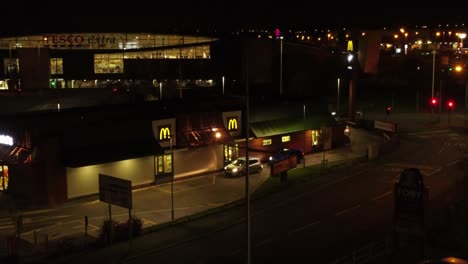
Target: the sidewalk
pixel 223 193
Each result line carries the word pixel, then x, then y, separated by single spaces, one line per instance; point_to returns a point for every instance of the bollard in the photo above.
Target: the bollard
pixel 86 225
pixel 46 242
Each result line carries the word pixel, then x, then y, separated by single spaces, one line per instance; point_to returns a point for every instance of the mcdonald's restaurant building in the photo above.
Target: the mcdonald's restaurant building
pixel 50 158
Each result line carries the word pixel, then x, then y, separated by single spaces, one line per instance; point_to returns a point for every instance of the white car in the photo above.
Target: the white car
pixel 238 168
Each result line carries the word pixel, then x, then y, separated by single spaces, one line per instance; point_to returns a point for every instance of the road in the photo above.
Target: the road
pixel 321 221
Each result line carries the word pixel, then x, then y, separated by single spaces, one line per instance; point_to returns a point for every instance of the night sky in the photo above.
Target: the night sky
pixel 179 16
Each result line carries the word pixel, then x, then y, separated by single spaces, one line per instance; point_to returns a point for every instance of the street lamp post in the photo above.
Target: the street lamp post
pixel 281 66
pixel 305 136
pixel 433 77
pixel 338 98
pixel 172 180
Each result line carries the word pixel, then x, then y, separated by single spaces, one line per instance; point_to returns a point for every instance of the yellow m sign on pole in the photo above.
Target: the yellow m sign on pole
pixel 164 133
pixel 232 124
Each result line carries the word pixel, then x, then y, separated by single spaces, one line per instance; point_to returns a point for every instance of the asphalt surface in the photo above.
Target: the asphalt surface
pixel 221 194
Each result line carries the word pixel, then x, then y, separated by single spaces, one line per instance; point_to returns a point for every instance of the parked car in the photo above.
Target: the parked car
pixel 286 153
pixel 238 167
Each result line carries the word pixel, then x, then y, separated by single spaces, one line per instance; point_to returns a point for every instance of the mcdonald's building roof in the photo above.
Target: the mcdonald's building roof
pixel 109 141
pixel 289 125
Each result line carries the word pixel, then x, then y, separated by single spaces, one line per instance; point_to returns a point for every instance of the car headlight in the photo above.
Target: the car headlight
pixel 271 158
pixel 234 170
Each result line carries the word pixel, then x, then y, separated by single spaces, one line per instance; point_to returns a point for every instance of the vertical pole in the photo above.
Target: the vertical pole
pixel 247 191
pixel 180 66
pixel 160 90
pixel 223 84
pixel 281 66
pixel 86 225
pixel 338 98
pixel 433 71
pixel 352 91
pixel 417 101
pixel 305 137
pixel 130 227
pixel 172 181
pixel 440 95
pixel 110 224
pixel 466 94
pixel 433 78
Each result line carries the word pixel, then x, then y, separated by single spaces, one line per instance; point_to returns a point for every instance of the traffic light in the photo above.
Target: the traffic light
pixel 389 109
pixel 434 102
pixel 450 105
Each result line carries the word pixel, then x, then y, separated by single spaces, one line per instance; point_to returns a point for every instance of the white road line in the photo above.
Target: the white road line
pixel 434 172
pixel 347 210
pixel 304 227
pixel 381 196
pixel 428 132
pixel 314 190
pixel 263 242
pixel 149 221
pixel 453 163
pixel 442 148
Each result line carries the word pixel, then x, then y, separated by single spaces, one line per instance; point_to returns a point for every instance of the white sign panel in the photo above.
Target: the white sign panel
pixel 387 126
pixel 115 191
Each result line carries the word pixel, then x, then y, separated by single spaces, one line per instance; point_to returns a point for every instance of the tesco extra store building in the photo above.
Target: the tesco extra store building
pixel 96 60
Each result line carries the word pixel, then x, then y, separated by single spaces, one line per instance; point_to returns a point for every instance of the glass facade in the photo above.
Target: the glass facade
pixel 231 153
pixel 164 164
pixel 105 41
pixel 56 66
pixel 108 63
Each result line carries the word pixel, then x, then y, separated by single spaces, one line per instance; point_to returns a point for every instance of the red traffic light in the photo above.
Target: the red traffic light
pixel 434 101
pixel 389 108
pixel 450 104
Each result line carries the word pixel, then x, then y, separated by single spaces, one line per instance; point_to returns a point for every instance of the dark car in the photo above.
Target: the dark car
pixel 286 153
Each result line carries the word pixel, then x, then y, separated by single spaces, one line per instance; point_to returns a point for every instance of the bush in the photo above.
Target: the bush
pixel 120 230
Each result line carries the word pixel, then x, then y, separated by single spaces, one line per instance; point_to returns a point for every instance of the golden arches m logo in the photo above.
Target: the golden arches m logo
pixel 232 124
pixel 164 133
pixel 350 46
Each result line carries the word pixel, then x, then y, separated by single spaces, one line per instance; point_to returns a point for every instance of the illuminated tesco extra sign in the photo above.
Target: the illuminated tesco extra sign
pixel 6 140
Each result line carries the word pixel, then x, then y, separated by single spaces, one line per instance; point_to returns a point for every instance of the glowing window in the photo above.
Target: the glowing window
pixel 285 138
pixel 266 142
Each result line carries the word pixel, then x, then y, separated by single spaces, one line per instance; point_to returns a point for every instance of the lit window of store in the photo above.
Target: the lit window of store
pixel 108 63
pixel 315 137
pixel 11 66
pixel 3 177
pixel 266 142
pixel 231 153
pixel 163 164
pixel 56 66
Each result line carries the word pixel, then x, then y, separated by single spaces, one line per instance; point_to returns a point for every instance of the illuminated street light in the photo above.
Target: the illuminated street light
pixel 458 68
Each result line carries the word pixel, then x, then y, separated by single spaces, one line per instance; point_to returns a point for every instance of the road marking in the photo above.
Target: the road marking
pixel 453 163
pixel 263 242
pixel 149 221
pixel 347 210
pixel 442 148
pixel 44 218
pixel 434 172
pixel 6 227
pixel 381 196
pixel 303 227
pixel 314 190
pixel 427 132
